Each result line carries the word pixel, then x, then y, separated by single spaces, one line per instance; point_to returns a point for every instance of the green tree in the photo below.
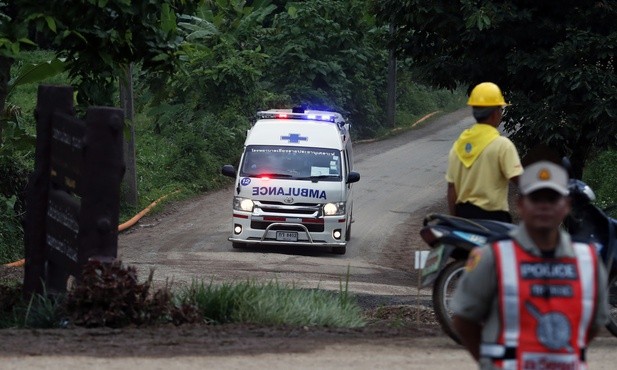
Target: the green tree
pixel 555 61
pixel 328 54
pixel 13 36
pixel 16 144
pixel 224 58
pixel 204 108
pixel 99 39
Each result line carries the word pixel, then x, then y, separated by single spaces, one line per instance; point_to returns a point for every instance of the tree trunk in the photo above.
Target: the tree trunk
pixel 579 156
pixel 391 99
pixel 130 174
pixel 5 76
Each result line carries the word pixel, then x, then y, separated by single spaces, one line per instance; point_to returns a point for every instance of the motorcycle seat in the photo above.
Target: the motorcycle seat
pixel 476 226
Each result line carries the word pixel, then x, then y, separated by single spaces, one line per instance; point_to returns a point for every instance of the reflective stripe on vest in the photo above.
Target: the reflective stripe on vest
pixel 509 298
pixel 574 286
pixel 586 264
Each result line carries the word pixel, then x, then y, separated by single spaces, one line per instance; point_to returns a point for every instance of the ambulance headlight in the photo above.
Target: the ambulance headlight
pixel 243 204
pixel 333 209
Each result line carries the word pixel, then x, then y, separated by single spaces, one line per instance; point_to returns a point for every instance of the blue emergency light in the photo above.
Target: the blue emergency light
pixel 300 116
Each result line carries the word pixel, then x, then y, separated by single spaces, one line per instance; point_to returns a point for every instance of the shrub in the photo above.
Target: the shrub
pixel 600 176
pixel 11 232
pixel 110 295
pixel 14 175
pixel 10 298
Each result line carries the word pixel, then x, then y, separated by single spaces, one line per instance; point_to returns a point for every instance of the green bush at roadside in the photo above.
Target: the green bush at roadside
pixel 600 176
pixel 110 295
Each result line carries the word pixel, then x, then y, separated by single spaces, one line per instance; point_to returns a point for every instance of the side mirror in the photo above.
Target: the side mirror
pixel 353 177
pixel 228 170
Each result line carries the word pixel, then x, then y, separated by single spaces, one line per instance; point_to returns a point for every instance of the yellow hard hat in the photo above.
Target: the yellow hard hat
pixel 486 94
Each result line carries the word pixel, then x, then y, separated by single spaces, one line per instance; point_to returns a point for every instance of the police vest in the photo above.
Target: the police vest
pixel 546 307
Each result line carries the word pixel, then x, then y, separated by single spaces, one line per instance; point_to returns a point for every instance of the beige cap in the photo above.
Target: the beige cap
pixel 544 175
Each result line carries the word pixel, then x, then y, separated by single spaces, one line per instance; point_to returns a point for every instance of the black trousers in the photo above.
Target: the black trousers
pixel 468 210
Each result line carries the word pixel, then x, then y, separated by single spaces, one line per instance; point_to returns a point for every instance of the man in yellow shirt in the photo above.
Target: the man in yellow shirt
pixel 482 162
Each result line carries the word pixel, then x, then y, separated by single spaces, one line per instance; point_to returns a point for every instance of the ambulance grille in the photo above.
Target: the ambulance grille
pixel 262 225
pixel 283 204
pixel 306 209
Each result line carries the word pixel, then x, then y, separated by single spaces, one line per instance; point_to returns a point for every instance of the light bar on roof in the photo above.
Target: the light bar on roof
pixel 304 116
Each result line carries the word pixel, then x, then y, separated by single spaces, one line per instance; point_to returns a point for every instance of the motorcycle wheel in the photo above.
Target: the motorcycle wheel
pixel 612 304
pixel 443 290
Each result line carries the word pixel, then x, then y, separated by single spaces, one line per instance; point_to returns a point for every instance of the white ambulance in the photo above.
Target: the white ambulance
pixel 294 182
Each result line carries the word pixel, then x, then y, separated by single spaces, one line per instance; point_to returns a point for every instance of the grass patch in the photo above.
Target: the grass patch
pixel 11 232
pixel 419 100
pixel 40 311
pixel 272 303
pixel 415 102
pixel 111 296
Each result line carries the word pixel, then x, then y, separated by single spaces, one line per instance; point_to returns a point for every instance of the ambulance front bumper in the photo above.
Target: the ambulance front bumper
pixel 286 233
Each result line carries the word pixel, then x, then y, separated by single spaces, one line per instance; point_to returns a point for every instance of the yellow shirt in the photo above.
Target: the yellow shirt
pixel 485 182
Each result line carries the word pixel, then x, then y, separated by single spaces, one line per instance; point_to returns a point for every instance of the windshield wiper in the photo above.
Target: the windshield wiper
pixel 268 174
pixel 316 177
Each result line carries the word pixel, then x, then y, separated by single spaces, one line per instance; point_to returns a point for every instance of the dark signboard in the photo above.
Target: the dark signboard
pixel 67 142
pixel 73 195
pixel 63 228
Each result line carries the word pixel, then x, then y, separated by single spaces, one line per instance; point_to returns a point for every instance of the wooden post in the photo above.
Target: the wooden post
pixel 50 100
pixel 74 192
pixel 101 178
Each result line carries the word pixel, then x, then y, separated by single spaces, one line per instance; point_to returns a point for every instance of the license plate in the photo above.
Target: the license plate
pixel 287 236
pixel 433 260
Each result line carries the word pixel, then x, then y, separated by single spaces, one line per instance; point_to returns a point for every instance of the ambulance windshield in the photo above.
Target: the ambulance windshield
pixel 296 163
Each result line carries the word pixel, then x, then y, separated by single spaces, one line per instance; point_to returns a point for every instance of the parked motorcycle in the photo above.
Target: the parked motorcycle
pixel 452 238
pixel 587 222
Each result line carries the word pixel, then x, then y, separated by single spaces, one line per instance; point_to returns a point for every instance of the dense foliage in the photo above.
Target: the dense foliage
pixel 230 58
pixel 99 39
pixel 329 54
pixel 240 59
pixel 555 60
pixel 600 175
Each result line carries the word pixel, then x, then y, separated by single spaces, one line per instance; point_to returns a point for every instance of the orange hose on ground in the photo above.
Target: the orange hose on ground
pixel 121 227
pixel 396 129
pixel 19 263
pixel 141 214
pixel 424 118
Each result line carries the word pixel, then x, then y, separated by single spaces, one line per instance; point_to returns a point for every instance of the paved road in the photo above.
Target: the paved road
pixel 400 176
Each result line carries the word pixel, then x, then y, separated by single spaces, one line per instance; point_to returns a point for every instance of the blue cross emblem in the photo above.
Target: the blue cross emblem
pixel 294 138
